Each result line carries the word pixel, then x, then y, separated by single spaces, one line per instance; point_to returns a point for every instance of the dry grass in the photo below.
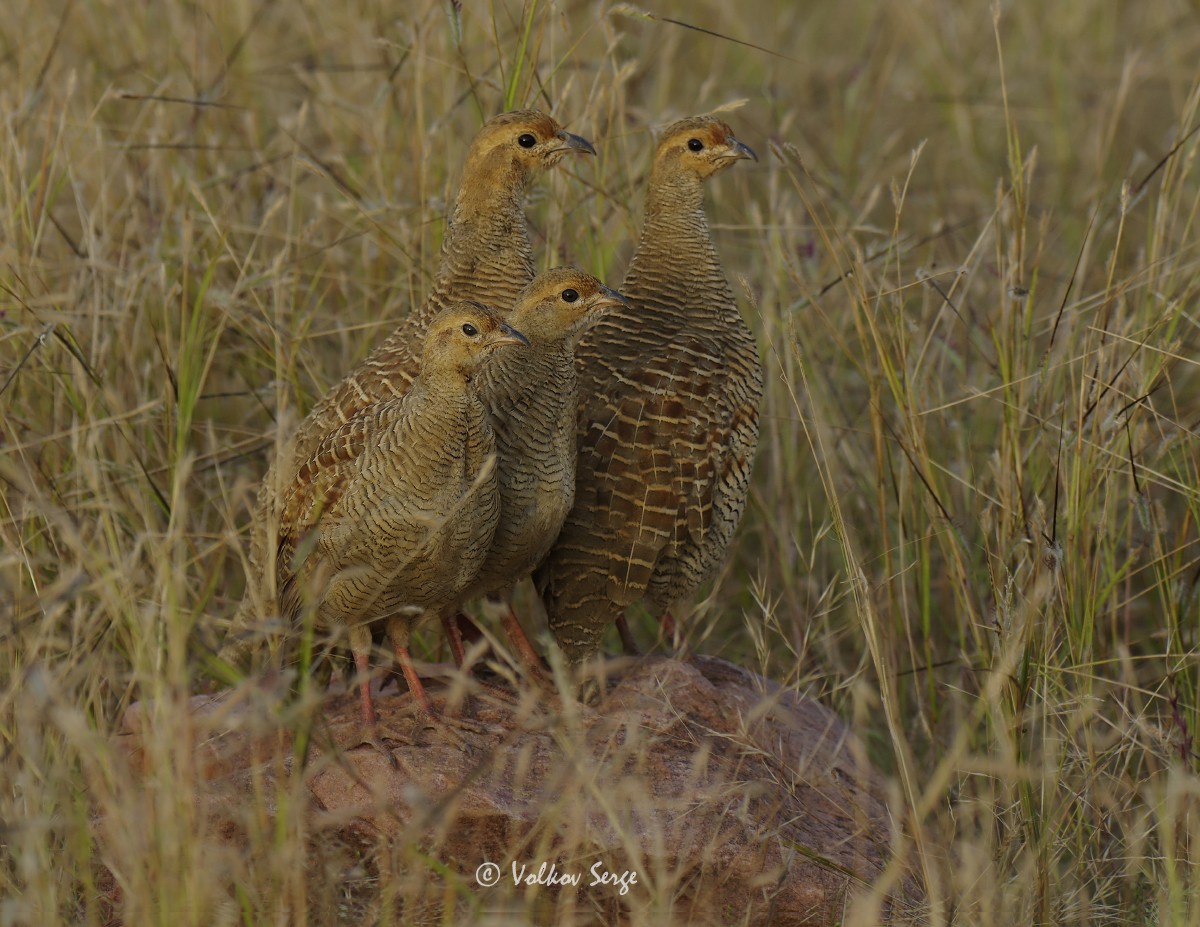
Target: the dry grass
pixel 971 251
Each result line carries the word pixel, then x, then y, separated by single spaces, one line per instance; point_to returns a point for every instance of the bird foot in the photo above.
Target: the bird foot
pixel 369 735
pixel 590 692
pixel 495 692
pixel 446 726
pixel 538 677
pixel 670 631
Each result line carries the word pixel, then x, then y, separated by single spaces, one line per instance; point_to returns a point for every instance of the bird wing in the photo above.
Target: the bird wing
pixel 321 479
pixel 650 454
pixel 312 504
pixel 314 493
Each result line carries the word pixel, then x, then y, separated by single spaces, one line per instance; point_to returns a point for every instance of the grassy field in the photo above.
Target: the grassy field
pixel 970 248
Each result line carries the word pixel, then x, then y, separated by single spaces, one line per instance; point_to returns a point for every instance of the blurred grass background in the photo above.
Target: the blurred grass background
pixel 970 250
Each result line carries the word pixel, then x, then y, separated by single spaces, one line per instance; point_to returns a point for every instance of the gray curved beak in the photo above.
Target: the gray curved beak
pixel 606 298
pixel 509 335
pixel 738 150
pixel 575 143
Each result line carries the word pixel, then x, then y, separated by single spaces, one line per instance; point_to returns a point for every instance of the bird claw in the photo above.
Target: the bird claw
pixel 370 736
pixel 534 677
pixel 589 692
pixel 447 726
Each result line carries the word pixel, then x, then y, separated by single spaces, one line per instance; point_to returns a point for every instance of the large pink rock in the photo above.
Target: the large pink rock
pixel 695 789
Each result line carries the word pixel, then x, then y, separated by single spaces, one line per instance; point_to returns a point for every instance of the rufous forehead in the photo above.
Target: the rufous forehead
pixel 531 120
pixel 556 279
pixel 718 133
pixel 714 131
pixel 546 295
pixel 475 313
pixel 544 126
pixel 580 282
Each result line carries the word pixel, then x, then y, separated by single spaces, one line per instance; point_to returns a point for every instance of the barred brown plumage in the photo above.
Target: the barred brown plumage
pixel 486 257
pixel 392 516
pixel 532 399
pixel 668 416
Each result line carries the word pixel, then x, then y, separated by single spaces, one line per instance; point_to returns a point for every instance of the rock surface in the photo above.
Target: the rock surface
pixel 731 799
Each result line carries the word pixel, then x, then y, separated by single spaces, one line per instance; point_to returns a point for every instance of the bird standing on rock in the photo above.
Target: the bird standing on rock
pixel 486 257
pixel 668 415
pixel 532 399
pixel 393 514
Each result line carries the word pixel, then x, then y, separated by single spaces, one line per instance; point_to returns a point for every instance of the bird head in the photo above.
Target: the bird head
pixel 699 145
pixel 561 304
pixel 519 144
pixel 463 335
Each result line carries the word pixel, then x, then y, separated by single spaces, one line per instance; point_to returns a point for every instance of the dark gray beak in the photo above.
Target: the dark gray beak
pixel 575 143
pixel 509 335
pixel 738 151
pixel 605 298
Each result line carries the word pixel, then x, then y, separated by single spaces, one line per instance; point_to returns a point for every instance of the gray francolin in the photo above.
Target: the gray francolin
pixel 486 256
pixel 532 399
pixel 392 516
pixel 668 416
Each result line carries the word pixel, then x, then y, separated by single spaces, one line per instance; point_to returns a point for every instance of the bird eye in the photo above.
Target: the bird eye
pixel 570 295
pixel 694 144
pixel 470 330
pixel 527 141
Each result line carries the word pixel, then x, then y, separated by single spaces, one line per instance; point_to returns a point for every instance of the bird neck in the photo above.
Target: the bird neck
pixel 457 418
pixel 487 254
pixel 445 384
pixel 525 395
pixel 544 331
pixel 675 255
pixel 673 192
pixel 518 370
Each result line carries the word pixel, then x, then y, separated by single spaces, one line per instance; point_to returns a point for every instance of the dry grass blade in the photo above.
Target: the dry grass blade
pixel 971 261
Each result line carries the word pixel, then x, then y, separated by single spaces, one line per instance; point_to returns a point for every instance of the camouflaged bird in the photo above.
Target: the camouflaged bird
pixel 532 400
pixel 392 516
pixel 486 257
pixel 668 417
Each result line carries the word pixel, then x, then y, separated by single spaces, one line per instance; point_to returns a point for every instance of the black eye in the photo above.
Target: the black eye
pixel 694 144
pixel 470 330
pixel 570 295
pixel 527 141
